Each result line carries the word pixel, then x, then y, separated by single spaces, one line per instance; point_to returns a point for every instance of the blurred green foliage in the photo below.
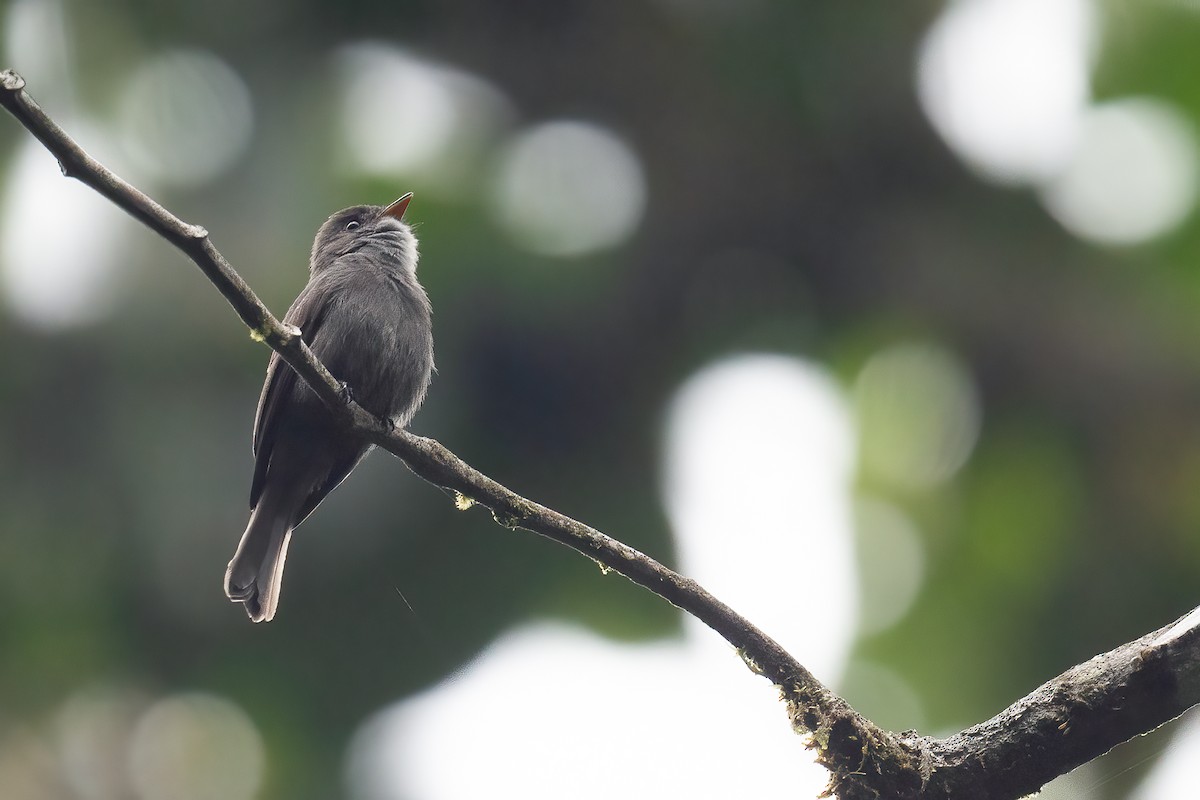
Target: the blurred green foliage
pixel 789 136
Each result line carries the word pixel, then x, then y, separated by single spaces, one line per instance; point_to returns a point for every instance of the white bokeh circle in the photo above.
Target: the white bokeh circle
pixel 568 188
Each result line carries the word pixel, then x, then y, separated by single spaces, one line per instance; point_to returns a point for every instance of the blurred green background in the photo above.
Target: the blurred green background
pixel 977 216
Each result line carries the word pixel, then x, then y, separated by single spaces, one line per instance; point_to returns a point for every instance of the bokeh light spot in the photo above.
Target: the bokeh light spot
pixel 1132 177
pixel 892 563
pixel 35 39
pixel 27 768
pixel 568 189
pixel 60 242
pixel 403 115
pixel 196 747
pixel 186 117
pixel 758 472
pixel 1004 82
pixel 918 415
pixel 94 730
pixel 740 441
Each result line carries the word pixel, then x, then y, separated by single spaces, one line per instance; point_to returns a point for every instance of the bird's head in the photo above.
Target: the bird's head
pixel 366 228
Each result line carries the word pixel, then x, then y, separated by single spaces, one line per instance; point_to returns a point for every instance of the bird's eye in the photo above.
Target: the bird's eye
pixel 351 225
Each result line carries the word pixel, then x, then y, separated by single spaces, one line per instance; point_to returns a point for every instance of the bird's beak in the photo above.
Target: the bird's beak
pixel 396 209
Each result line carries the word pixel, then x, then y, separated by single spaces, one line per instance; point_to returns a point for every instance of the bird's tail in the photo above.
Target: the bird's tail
pixel 255 574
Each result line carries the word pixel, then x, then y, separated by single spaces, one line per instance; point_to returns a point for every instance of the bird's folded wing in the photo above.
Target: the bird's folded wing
pixel 306 314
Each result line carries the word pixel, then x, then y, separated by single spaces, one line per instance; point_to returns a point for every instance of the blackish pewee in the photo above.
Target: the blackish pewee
pixel 368 320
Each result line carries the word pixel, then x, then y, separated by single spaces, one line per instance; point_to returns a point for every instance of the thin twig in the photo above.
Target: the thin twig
pixel 1072 719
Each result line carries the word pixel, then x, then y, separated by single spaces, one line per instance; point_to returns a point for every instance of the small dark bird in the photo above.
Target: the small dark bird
pixel 368 320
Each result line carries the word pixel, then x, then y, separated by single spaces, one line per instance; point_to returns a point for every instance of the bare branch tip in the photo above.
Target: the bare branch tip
pixel 11 81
